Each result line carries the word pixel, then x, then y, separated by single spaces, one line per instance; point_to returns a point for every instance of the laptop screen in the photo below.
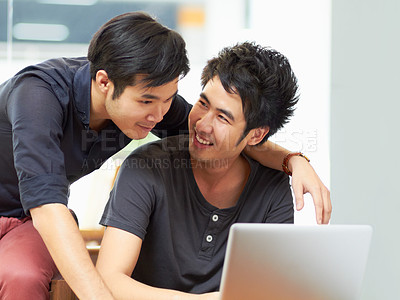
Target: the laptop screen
pixel 295 262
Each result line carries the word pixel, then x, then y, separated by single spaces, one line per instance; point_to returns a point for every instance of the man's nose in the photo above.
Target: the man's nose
pixel 204 124
pixel 156 115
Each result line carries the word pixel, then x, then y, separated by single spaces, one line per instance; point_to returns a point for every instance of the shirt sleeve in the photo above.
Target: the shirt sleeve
pixel 36 117
pixel 175 120
pixel 132 198
pixel 281 208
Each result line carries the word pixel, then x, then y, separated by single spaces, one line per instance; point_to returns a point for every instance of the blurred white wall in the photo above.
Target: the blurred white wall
pixel 302 31
pixel 365 132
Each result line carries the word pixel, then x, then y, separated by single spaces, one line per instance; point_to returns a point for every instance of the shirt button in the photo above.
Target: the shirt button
pixel 215 218
pixel 209 238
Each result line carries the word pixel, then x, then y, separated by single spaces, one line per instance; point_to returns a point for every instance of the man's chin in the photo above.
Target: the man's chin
pixel 136 135
pixel 202 158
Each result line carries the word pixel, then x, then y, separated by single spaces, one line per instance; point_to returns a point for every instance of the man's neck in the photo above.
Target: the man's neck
pixel 221 183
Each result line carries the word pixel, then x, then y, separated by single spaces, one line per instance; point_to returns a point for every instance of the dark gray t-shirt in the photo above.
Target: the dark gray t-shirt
pixel 184 237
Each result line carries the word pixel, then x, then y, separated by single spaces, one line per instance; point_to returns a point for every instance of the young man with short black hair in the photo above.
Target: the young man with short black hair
pixel 174 200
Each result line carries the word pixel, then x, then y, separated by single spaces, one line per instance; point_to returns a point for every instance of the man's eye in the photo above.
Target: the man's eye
pixel 145 102
pixel 222 118
pixel 203 103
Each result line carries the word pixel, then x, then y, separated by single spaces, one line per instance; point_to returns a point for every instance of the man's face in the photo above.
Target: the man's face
pixel 138 109
pixel 216 124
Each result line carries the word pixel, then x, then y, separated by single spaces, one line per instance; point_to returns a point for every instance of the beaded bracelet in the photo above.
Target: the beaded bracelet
pixel 286 160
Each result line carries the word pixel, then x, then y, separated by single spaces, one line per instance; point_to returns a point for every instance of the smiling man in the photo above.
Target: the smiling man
pixel 168 220
pixel 60 120
pixel 137 110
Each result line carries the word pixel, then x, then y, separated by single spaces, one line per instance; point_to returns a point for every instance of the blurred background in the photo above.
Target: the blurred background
pixel 344 53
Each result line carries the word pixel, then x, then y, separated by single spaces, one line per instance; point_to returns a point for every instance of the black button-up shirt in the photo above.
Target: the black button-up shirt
pixel 45 139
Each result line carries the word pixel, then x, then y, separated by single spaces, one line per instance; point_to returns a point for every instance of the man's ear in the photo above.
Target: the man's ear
pixel 257 135
pixel 102 81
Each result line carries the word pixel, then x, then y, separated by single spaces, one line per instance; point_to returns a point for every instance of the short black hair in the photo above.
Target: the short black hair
pixel 135 43
pixel 264 80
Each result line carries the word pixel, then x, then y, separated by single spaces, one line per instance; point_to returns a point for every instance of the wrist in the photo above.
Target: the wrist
pixel 287 164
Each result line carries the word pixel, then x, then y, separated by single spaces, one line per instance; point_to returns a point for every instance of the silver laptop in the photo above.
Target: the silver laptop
pixel 295 262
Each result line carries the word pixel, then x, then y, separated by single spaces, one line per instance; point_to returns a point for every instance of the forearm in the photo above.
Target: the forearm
pixel 268 154
pixel 67 248
pixel 124 287
pixel 116 262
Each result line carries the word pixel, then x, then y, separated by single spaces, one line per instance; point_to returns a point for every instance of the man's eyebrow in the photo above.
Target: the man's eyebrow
pixel 224 111
pixel 154 97
pixel 202 95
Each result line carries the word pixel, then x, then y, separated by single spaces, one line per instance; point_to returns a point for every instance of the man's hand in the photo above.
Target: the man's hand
pixel 305 180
